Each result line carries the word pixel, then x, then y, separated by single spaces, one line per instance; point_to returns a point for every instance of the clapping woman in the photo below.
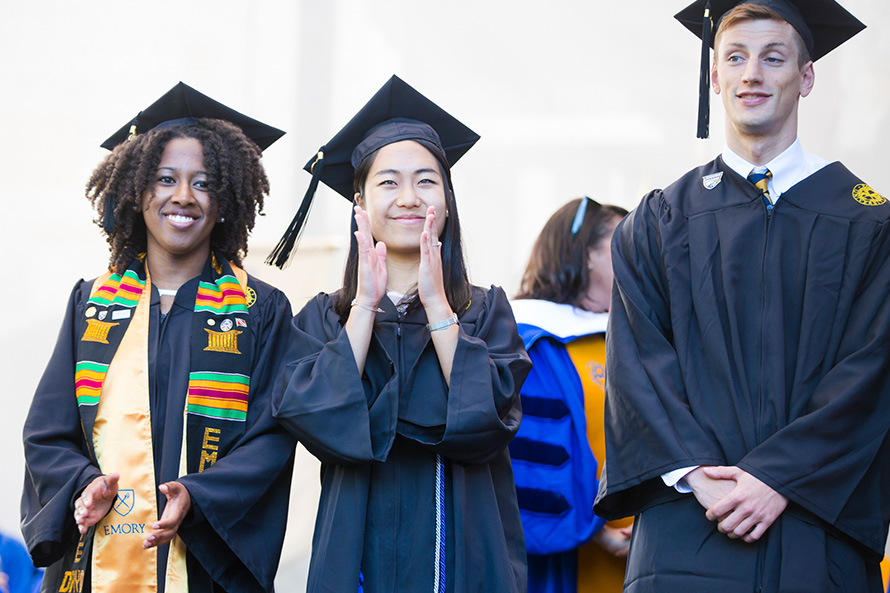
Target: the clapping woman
pixel 405 382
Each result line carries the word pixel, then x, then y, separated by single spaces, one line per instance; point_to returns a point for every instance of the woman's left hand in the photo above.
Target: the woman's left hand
pixel 430 285
pixel 178 505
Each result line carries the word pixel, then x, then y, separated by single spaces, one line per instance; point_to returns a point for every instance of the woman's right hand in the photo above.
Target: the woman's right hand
pixel 95 501
pixel 371 263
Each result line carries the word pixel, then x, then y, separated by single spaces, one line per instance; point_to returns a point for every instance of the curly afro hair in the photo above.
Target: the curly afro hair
pixel 236 179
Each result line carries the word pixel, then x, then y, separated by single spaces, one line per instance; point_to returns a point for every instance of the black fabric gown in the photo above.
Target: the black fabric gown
pixel 234 534
pixel 378 436
pixel 761 341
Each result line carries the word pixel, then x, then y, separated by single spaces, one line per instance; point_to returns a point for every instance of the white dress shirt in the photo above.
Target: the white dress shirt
pixel 788 169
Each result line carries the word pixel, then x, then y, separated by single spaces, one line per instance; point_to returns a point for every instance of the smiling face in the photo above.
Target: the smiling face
pixel 403 181
pixel 757 73
pixel 178 211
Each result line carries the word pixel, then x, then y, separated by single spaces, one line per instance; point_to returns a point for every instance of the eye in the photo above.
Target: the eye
pixel 166 179
pixel 428 181
pixel 387 182
pixel 202 184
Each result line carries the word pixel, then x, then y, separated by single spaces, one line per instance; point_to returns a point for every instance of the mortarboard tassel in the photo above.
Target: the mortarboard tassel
pixel 288 243
pixel 704 81
pixel 108 218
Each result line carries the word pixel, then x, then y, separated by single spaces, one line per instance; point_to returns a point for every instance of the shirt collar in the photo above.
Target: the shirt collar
pixel 788 168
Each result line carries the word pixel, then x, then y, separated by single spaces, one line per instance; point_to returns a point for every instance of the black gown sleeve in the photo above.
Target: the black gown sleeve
pixel 342 417
pixel 490 365
pixel 650 428
pixel 57 462
pixel 243 497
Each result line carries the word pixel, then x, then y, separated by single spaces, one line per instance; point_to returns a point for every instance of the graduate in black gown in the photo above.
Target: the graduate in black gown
pixel 405 382
pixel 153 460
pixel 748 390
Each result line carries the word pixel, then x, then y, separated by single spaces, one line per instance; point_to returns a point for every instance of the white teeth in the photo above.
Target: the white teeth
pixel 179 218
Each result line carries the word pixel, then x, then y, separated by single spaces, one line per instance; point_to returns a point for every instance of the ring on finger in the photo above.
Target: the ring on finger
pixel 437 244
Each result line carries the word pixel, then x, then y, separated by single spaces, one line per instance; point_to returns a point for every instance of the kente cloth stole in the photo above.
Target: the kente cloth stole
pixel 112 389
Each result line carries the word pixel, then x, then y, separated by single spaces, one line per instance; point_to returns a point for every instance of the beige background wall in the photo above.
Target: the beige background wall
pixel 571 97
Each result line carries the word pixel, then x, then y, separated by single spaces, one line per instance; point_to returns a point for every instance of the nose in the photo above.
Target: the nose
pixel 753 72
pixel 183 193
pixel 408 197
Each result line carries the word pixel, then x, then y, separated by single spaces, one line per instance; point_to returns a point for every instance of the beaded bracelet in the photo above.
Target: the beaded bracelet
pixel 355 303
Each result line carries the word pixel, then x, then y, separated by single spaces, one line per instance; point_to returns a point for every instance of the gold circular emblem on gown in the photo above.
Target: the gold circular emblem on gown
pixel 250 294
pixel 90 312
pixel 867 196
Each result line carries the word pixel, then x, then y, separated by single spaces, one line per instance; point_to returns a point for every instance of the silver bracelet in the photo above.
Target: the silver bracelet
pixel 442 324
pixel 355 303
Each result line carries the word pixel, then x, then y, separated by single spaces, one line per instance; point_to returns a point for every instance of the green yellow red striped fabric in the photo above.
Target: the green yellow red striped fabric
pixel 222 297
pixel 218 395
pixel 119 290
pixel 88 379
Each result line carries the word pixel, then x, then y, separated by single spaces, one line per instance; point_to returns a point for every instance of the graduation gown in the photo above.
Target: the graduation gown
pixel 760 341
pixel 235 530
pixel 378 436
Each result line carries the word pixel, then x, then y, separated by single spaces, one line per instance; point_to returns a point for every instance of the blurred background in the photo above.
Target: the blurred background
pixel 571 98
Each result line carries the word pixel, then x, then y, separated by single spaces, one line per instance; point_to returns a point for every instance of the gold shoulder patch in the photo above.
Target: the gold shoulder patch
pixel 867 196
pixel 250 295
pixel 226 342
pixel 97 331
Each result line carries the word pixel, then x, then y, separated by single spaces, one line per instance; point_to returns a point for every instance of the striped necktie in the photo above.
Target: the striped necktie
pixel 761 182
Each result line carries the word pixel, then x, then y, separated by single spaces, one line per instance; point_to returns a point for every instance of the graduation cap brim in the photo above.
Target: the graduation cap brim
pixel 182 102
pixel 395 100
pixel 825 22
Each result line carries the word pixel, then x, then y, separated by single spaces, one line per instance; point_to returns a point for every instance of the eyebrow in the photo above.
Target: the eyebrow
pixel 424 171
pixel 174 169
pixel 770 45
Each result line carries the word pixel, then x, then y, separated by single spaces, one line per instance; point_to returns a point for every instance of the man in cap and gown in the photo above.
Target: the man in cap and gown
pixel 163 409
pixel 748 390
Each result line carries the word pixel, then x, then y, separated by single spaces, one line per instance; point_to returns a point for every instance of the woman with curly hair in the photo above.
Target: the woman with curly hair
pixel 151 452
pixel 562 311
pixel 405 383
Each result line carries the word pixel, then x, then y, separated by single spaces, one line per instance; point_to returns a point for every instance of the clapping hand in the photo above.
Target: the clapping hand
pixel 95 501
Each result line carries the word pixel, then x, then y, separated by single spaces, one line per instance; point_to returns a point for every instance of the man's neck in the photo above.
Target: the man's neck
pixel 759 149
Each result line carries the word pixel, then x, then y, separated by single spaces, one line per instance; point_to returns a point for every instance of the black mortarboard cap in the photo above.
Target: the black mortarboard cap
pixel 822 24
pixel 396 112
pixel 182 102
pixel 181 105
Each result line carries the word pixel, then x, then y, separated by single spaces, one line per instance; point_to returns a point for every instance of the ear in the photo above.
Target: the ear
pixel 359 199
pixel 715 80
pixel 807 79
